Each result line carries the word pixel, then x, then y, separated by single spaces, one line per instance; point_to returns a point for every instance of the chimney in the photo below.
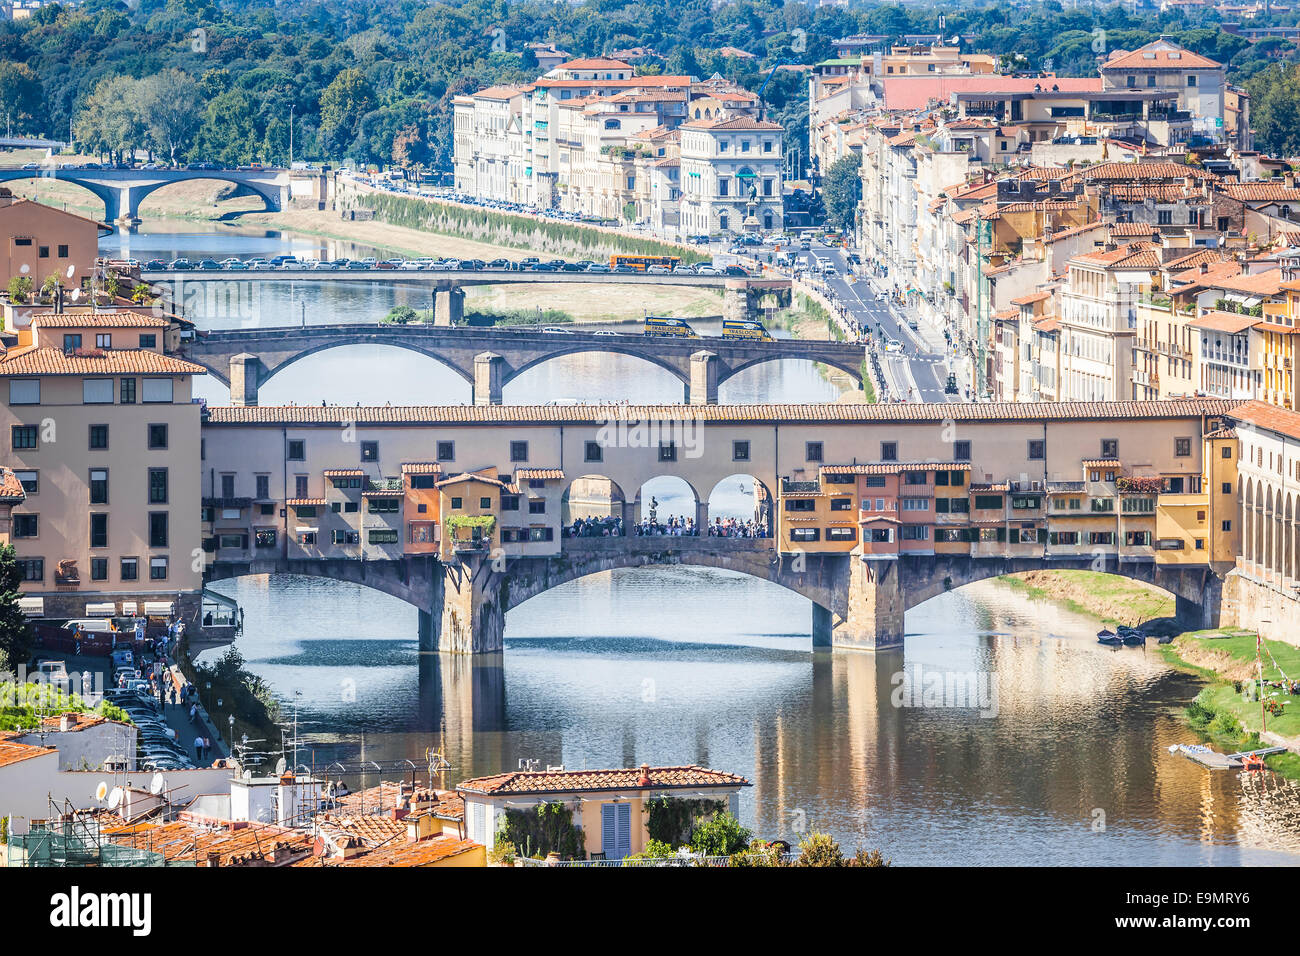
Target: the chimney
pixel 1289 178
pixel 1205 268
pixel 214 858
pixel 644 779
pixel 65 723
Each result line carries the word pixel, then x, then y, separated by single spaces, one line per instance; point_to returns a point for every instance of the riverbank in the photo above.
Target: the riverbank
pixel 1111 599
pixel 1228 711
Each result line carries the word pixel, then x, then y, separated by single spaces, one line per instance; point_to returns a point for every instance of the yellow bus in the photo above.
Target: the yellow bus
pixel 745 329
pixel 641 263
pixel 666 325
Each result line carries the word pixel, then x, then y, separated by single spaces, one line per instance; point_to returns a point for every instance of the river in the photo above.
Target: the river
pixel 1061 759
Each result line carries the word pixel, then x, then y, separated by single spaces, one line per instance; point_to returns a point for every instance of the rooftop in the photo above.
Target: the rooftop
pixel 51 361
pixel 1270 417
pixel 587 781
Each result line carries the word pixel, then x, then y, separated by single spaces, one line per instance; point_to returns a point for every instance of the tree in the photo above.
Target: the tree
pixel 720 835
pixel 15 630
pixel 20 287
pixel 112 121
pixel 21 94
pixel 342 105
pixel 841 189
pixel 229 131
pixel 174 108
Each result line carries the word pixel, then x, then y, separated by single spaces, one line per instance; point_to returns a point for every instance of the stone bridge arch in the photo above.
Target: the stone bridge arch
pixel 123 190
pixel 848 368
pixel 682 375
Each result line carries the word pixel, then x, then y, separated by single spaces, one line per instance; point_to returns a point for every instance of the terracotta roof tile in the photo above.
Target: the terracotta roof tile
pixel 423 853
pixel 11 752
pixel 1158 54
pixel 1031 298
pixel 342 472
pixel 1271 417
pixel 1229 322
pixel 424 415
pixel 11 489
pixel 107 320
pixel 892 467
pixel 305 502
pixel 51 361
pixel 1262 192
pixel 527 474
pixel 585 781
pixel 421 468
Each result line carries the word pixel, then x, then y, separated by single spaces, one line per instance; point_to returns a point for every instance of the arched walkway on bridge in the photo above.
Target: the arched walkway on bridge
pixel 669 498
pixel 742 498
pixel 593 497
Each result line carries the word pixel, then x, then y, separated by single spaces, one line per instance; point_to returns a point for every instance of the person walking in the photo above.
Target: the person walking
pixel 198 747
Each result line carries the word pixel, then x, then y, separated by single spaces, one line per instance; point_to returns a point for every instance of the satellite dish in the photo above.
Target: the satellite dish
pixel 101 791
pixel 115 798
pixel 156 784
pixel 955 40
pixel 280 767
pixel 76 294
pixel 72 270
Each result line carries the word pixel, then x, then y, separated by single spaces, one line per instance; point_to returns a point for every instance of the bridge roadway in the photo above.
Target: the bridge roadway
pixel 122 190
pixel 489 358
pixel 456 278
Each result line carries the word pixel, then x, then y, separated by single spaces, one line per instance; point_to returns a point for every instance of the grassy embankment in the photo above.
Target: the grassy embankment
pixel 1111 599
pixel 1222 711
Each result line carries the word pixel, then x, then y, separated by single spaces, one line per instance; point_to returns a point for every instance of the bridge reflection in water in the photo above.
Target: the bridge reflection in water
pixel 696 679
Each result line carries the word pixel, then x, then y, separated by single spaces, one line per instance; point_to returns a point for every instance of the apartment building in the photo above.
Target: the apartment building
pixel 103 438
pixel 731 176
pixel 39 241
pixel 1164 65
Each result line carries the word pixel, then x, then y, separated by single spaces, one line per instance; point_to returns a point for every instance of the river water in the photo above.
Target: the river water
pixel 1046 749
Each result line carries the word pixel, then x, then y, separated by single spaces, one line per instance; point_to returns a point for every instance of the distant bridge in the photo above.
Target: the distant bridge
pixel 122 190
pixel 489 358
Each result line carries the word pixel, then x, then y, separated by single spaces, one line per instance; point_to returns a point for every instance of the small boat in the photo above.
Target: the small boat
pixel 1134 640
pixel 1108 637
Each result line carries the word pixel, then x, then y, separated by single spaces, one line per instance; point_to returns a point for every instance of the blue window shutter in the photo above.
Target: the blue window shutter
pixel 624 829
pixel 608 832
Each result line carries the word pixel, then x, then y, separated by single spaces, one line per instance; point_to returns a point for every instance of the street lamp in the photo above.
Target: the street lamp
pixel 230 737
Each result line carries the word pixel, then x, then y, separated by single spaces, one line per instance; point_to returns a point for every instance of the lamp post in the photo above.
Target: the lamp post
pixel 230 737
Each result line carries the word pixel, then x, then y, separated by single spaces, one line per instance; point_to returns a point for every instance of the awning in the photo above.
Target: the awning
pixel 32 606
pixel 307 530
pixel 158 608
pixel 128 607
pixel 100 609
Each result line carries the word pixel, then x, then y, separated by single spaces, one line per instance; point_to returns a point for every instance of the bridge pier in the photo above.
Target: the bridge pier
pixel 738 301
pixel 489 375
pixel 449 306
pixel 1200 613
pixel 703 389
pixel 822 626
pixel 473 619
pixel 245 378
pixel 873 616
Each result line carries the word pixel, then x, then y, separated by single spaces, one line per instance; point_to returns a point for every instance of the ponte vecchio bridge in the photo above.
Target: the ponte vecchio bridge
pixel 385 497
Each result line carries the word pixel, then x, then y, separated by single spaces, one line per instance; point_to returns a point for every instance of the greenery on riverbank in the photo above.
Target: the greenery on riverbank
pixel 22 705
pixel 563 239
pixel 244 694
pixel 1111 599
pixel 1225 711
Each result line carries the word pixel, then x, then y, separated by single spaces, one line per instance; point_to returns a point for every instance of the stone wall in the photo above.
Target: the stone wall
pixel 1250 603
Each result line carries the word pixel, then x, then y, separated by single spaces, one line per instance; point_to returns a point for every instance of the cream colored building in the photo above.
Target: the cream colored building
pixel 731 176
pixel 104 437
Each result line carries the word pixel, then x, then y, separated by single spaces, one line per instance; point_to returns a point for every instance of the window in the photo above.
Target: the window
pixel 26 526
pixel 379 506
pixel 30 480
pixel 227 482
pixel 1140 539
pixel 1191 80
pixel 370 451
pixel 25 391
pixel 300 486
pixel 1226 487
pixel 99 569
pixel 1102 505
pixel 446 451
pixel 158 569
pixel 519 451
pixel 537 506
pixel 126 391
pixel 1182 447
pixel 1138 506
pixel 1026 502
pixel 805 534
pixel 297 449
pixel 1226 526
pixel 157 390
pixel 958 478
pixel 1227 451
pixel 800 504
pixel 1063 537
pixel 383 536
pixel 1164 217
pixel 305 511
pixel 874 481
pixel 509 502
pixel 158 486
pixel 841 504
pixel 668 451
pixel 128 569
pixel 98 437
pixel 914 478
pixel 104 340
pixel 1037 449
pixel 813 451
pixel 157 529
pixel 23 437
pixel 961 450
pixel 1101 537
pixel 914 532
pixel 42 252
pixel 99 486
pixel 841 534
pixel 1170 544
pixel 263 483
pixel 456 503
pixel 593 452
pixel 988 502
pixel 97 391
pixel 424 482
pixel 916 504
pixel 148 341
pixel 1110 448
pixel 32 569
pixel 71 342
pixel 740 451
pixel 889 451
pixel 63 248
pixel 99 531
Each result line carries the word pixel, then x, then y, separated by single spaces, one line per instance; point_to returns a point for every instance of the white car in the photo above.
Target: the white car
pixel 554 331
pixel 605 332
pixel 658 270
pixel 707 271
pixel 893 345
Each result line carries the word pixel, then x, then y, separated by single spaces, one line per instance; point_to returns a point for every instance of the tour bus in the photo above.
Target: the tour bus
pixel 642 263
pixel 745 329
pixel 665 325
